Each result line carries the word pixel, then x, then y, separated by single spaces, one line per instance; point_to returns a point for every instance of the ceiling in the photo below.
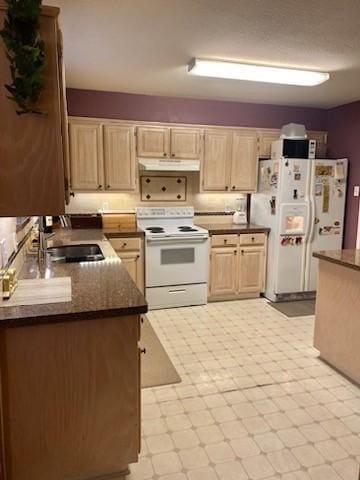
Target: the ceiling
pixel 144 46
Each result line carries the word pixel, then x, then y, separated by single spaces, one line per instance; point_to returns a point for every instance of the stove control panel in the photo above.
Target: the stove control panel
pixel 165 212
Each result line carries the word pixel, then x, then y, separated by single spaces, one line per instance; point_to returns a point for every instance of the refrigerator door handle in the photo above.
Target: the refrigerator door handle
pixel 312 226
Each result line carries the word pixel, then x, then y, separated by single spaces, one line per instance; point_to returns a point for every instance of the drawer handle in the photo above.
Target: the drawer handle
pixel 225 240
pixel 235 252
pixel 178 290
pixel 143 350
pixel 253 239
pixel 124 244
pixel 141 320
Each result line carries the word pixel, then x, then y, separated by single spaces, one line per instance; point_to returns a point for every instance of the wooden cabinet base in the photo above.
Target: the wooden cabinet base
pixel 70 400
pixel 239 296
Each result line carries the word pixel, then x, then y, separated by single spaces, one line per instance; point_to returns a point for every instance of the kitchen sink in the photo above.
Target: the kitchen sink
pixel 76 253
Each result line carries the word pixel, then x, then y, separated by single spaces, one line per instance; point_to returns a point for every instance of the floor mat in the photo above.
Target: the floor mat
pixel 156 366
pixel 299 308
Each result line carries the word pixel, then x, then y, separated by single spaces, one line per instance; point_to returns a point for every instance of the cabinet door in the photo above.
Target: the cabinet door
pixel 266 137
pixel 119 152
pixel 86 156
pixel 244 161
pixel 133 263
pixel 153 142
pixel 185 143
pixel 251 269
pixel 223 271
pixel 321 143
pixel 217 160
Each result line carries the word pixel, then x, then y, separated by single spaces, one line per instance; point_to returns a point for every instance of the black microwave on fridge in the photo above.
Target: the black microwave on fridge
pixel 293 148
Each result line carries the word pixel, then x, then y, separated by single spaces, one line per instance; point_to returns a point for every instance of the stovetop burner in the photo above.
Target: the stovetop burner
pixel 155 229
pixel 187 229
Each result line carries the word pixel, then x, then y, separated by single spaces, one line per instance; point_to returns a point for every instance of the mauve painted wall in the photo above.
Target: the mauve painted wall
pixel 126 106
pixel 343 141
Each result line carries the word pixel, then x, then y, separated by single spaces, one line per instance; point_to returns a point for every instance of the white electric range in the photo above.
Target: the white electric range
pixel 176 257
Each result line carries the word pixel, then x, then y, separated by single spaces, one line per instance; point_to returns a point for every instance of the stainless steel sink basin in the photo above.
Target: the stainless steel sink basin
pixel 76 253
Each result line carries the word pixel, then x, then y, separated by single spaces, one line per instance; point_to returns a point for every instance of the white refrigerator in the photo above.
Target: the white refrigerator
pixel 302 201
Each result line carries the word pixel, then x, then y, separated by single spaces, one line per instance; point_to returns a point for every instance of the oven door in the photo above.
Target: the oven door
pixel 176 261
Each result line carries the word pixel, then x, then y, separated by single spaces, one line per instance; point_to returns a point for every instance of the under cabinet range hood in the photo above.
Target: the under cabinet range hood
pixel 167 165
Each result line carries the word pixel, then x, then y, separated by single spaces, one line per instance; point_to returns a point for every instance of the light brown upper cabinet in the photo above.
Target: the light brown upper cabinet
pixel 175 142
pixel 266 137
pixel 86 155
pixel 216 166
pixel 120 159
pixel 185 143
pixel 32 145
pixel 230 160
pixel 244 161
pixel 153 142
pixel 102 156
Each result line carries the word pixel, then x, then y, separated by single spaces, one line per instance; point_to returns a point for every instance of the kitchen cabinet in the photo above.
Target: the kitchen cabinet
pixel 119 157
pixel 216 165
pixel 230 160
pixel 237 266
pixel 32 145
pixel 266 137
pixel 86 153
pixel 223 271
pixel 185 143
pixel 243 175
pixel 153 142
pixel 102 156
pixel 175 142
pixel 251 265
pixel 130 250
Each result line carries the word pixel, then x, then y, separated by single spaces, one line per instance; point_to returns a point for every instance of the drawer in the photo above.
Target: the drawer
pixel 125 244
pixel 252 239
pixel 224 240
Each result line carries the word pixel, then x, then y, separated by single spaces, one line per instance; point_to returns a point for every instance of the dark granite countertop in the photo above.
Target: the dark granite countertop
pixel 225 228
pixel 346 258
pixel 99 289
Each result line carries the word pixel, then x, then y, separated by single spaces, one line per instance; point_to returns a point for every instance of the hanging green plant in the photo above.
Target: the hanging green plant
pixel 26 53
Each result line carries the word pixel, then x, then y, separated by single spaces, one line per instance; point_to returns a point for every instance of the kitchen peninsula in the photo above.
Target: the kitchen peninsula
pixel 70 372
pixel 337 325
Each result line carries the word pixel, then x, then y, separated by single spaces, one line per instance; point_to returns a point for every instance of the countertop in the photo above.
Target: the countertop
pixel 347 258
pixel 99 289
pixel 123 232
pixel 224 228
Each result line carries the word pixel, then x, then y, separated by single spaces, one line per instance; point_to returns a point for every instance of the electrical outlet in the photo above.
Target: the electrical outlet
pixel 356 191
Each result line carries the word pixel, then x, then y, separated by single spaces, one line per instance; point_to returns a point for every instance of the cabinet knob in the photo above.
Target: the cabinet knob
pixel 164 154
pixel 124 244
pixel 253 239
pixel 235 252
pixel 141 319
pixel 226 188
pixel 143 350
pixel 233 187
pixel 108 186
pixel 225 240
pixel 242 252
pixel 173 154
pixel 100 186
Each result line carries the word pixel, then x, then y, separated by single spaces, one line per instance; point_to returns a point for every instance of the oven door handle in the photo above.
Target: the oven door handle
pixel 177 240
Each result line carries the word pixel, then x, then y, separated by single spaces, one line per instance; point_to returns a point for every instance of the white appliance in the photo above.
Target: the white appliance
pixel 302 201
pixel 293 148
pixel 240 214
pixel 176 257
pixel 167 165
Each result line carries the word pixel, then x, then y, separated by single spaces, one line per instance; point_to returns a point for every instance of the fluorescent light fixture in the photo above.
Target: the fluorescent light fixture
pixel 256 73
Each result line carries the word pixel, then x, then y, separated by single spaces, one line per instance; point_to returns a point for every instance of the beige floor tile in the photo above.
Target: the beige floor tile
pixel 223 414
pixel 173 407
pixel 201 418
pixel 172 476
pixel 336 427
pixel 292 437
pixel 298 475
pixel 233 429
pixel 154 427
pixel 220 452
pixel 231 471
pixel 331 450
pixel 323 472
pixel 307 455
pixel 166 463
pixel 299 417
pixel 244 410
pixel 319 413
pixel 142 470
pixel 314 432
pixel 244 447
pixel 193 458
pixel 206 473
pixel 278 421
pixel 210 434
pixel 348 469
pixel 256 425
pixel 159 443
pixel 283 461
pixel 258 467
pixel 178 422
pixel 268 442
pixel 185 439
pixel 193 404
pixel 351 443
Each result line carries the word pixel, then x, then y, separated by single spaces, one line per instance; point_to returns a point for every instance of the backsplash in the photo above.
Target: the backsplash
pixel 126 202
pixel 7 239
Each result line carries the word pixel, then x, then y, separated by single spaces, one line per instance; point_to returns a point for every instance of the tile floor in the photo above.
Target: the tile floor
pixel 255 402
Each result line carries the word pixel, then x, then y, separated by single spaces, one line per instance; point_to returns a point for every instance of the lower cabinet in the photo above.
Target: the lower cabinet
pixel 237 266
pixel 130 251
pixel 75 414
